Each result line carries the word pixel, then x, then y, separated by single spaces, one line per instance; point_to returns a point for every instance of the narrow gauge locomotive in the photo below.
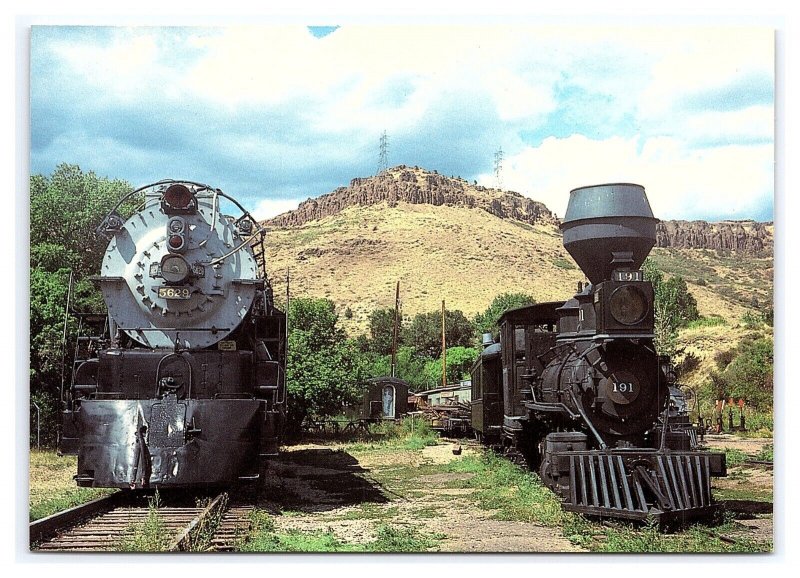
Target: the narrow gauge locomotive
pixel 576 388
pixel 183 385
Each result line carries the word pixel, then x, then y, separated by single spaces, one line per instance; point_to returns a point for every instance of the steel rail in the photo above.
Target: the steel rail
pixel 102 525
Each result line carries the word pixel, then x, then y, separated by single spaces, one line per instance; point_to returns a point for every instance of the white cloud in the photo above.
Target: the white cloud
pixel 268 208
pixel 680 182
pixel 637 100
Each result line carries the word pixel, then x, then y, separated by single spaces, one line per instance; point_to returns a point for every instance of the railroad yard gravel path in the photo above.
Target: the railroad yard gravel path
pixel 319 489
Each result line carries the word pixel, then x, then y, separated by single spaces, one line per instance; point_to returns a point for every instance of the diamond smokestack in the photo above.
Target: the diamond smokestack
pixel 608 227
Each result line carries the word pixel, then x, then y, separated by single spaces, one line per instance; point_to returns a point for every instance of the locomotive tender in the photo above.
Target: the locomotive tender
pixel 576 389
pixel 184 386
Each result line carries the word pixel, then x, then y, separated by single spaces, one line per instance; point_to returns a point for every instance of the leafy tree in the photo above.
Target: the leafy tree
pixel 410 367
pixel 459 364
pixel 381 331
pixel 674 307
pixel 486 322
pixel 324 368
pixel 424 334
pixel 65 209
pixel 750 374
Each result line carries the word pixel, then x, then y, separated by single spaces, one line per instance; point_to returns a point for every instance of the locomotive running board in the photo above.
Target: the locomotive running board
pixel 637 485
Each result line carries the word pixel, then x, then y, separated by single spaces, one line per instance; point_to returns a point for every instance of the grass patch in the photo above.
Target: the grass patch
pixel 405 478
pixel 411 433
pixel 710 321
pixel 428 512
pixel 746 493
pixel 759 424
pixel 562 263
pixel 388 538
pixel 294 541
pixel 52 488
pixel 394 539
pixel 511 492
pixel 522 225
pixel 515 494
pixel 766 453
pixel 734 457
pixel 695 539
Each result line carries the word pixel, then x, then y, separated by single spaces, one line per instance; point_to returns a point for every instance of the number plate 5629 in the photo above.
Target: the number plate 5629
pixel 174 292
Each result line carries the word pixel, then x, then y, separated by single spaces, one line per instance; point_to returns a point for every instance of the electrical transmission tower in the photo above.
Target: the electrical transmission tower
pixel 498 167
pixel 383 159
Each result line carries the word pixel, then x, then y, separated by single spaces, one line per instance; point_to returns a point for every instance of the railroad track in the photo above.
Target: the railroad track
pixel 111 523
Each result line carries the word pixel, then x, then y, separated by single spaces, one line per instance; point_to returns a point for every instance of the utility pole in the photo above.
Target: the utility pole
pixel 394 335
pixel 444 350
pixel 383 158
pixel 498 167
pixel 286 330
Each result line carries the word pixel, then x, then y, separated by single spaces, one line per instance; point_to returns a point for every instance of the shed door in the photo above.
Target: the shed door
pixel 388 401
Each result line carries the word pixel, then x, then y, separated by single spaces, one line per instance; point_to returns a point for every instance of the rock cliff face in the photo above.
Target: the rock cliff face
pixel 416 186
pixel 746 236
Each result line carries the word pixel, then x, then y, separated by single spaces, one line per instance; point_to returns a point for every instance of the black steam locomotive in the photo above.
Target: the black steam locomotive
pixel 576 388
pixel 183 382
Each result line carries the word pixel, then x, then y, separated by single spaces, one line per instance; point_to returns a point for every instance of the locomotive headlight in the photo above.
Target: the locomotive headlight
pixel 175 269
pixel 628 305
pixel 178 199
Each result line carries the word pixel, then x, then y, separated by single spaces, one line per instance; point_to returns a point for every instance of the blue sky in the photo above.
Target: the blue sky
pixel 276 114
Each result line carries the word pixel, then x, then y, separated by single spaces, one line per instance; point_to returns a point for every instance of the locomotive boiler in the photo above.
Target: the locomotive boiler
pixel 182 383
pixel 576 388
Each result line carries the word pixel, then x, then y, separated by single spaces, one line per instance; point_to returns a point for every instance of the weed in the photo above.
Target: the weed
pixel 734 457
pixel 759 424
pixel 149 535
pixel 766 453
pixel 394 539
pixel 513 494
pixel 649 539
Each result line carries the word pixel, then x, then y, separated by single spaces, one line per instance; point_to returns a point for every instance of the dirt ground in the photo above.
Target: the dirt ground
pixel 346 498
pixel 748 489
pixel 750 446
pixel 334 488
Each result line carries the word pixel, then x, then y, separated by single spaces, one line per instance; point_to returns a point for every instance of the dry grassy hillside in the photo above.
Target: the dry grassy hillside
pixel 467 256
pixel 464 256
pixel 446 239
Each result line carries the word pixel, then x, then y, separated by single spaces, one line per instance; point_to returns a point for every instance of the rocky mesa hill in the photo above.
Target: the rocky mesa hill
pixel 416 186
pixel 447 239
